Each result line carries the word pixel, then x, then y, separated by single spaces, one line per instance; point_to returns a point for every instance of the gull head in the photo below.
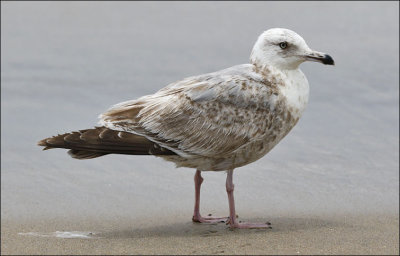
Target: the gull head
pixel 284 49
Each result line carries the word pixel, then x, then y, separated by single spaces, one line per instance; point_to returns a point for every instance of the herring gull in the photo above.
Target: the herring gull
pixel 212 122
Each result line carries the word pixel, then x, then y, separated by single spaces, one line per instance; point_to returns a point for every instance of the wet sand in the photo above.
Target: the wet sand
pixel 372 234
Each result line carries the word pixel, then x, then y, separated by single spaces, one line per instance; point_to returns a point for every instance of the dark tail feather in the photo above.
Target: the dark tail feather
pixel 83 154
pixel 100 141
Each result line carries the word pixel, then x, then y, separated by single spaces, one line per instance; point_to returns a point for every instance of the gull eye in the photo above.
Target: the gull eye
pixel 283 45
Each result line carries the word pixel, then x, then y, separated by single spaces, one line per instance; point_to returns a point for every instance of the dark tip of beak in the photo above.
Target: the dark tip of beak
pixel 327 60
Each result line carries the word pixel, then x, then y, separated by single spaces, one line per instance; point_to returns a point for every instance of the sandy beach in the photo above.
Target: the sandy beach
pixel 371 234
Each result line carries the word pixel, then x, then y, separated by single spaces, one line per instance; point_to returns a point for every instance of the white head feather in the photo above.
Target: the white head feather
pixel 270 50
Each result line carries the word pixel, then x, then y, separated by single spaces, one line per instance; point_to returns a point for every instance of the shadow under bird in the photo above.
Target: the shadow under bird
pixel 212 122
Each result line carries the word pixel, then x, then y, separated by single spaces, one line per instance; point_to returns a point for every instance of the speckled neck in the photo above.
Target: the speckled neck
pixel 271 74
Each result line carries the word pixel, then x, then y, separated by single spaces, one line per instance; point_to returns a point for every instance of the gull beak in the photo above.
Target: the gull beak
pixel 320 57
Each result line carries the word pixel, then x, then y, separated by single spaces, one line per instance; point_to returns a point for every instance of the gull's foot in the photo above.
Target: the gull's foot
pixel 244 225
pixel 209 219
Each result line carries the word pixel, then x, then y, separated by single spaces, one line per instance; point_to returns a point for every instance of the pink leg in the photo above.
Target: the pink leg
pixel 196 215
pixel 232 213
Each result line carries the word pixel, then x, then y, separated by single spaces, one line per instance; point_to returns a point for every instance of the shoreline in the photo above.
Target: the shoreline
pixel 340 234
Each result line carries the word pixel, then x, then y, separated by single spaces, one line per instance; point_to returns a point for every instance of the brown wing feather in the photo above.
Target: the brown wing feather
pixel 91 143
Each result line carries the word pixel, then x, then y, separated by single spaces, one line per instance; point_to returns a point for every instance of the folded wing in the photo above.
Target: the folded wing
pixel 208 115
